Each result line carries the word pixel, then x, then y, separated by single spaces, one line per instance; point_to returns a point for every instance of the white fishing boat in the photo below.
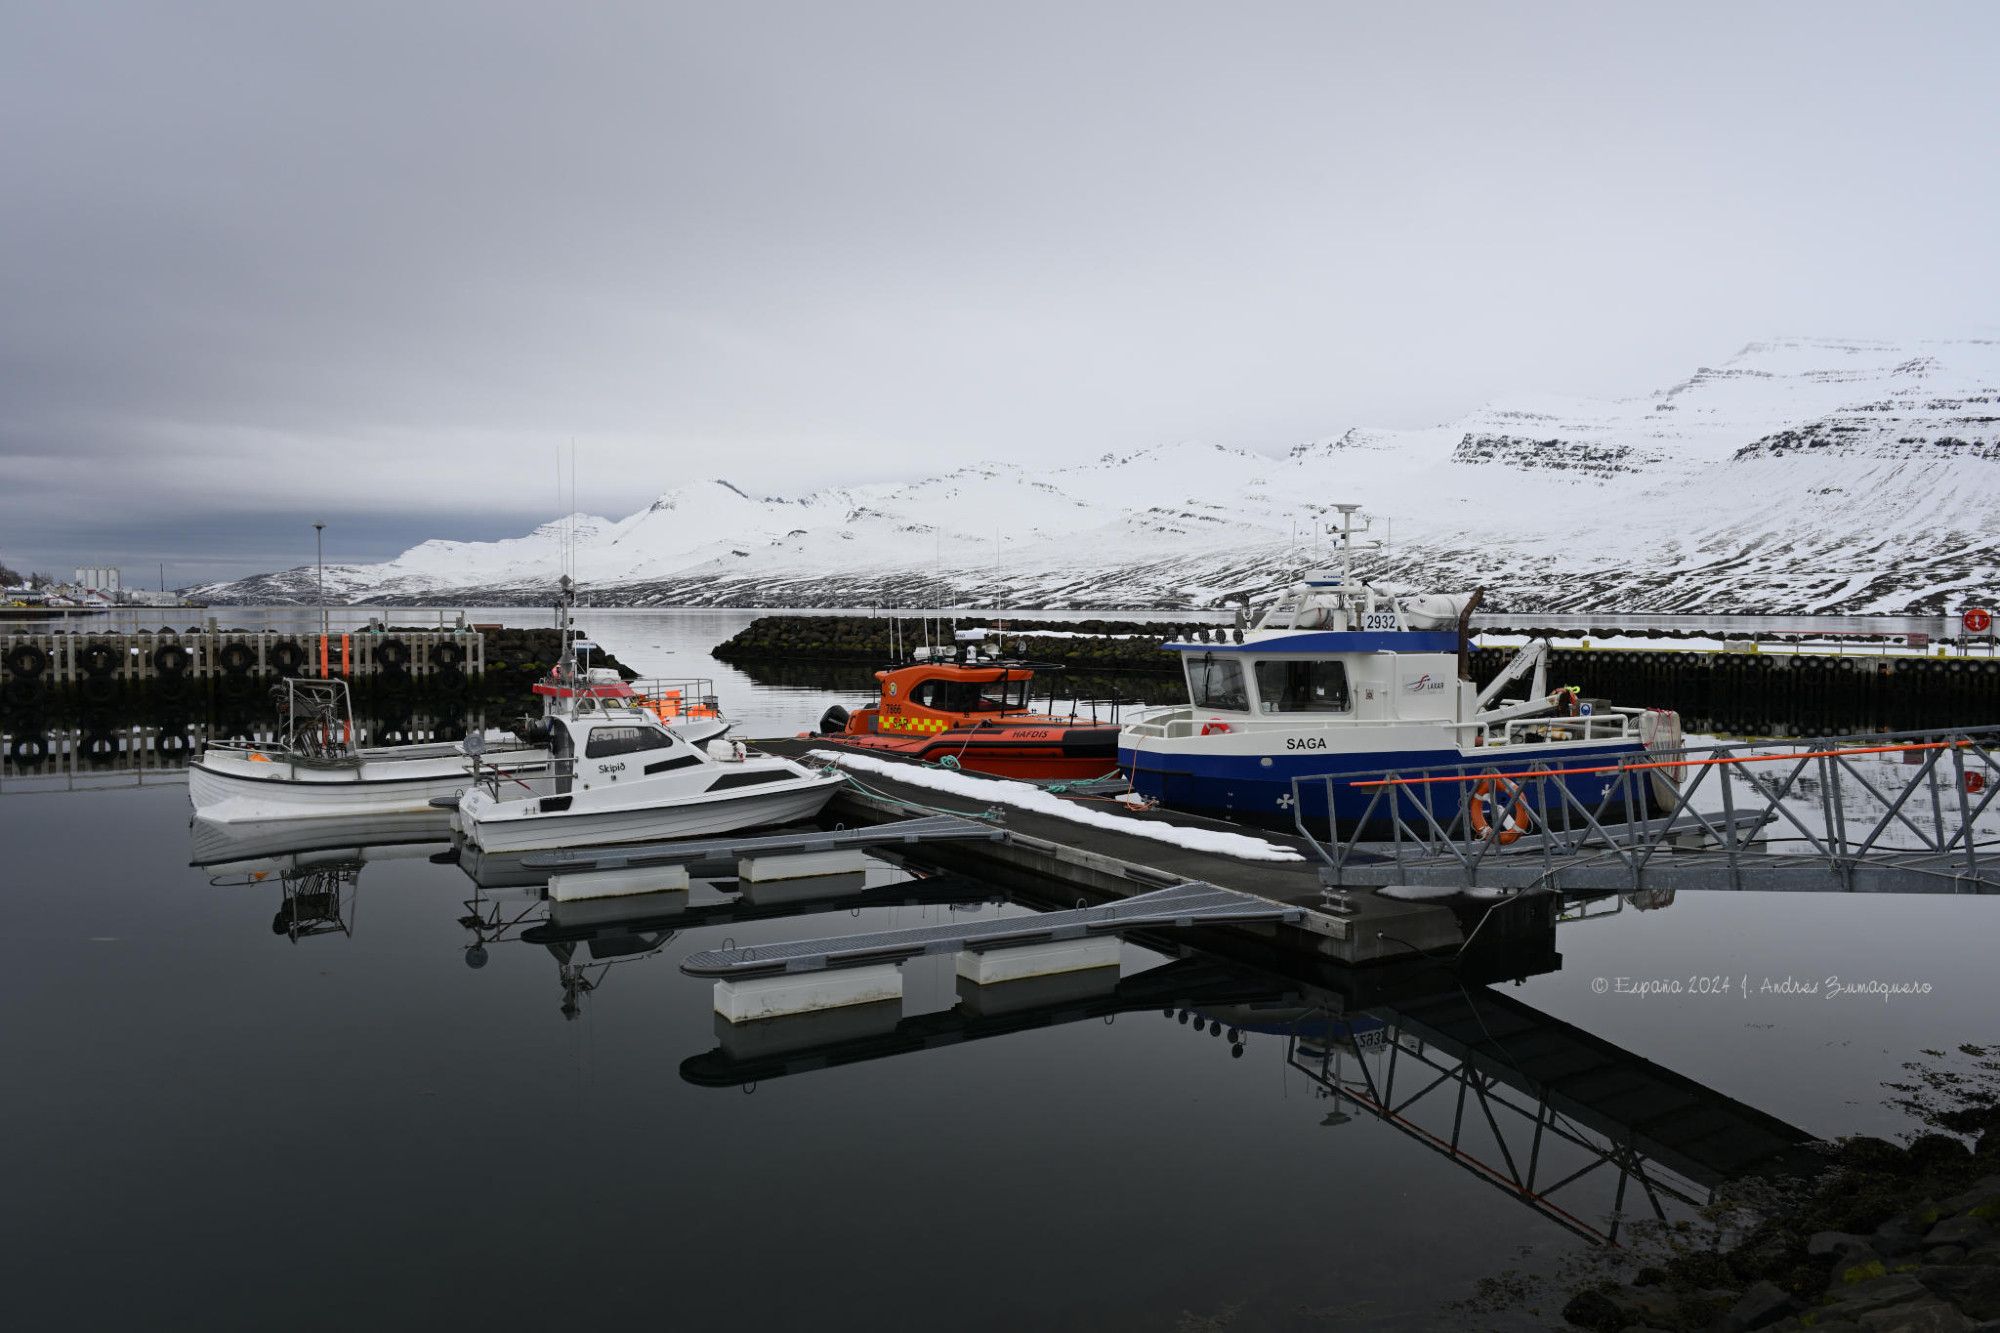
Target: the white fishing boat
pixel 626 765
pixel 623 775
pixel 315 770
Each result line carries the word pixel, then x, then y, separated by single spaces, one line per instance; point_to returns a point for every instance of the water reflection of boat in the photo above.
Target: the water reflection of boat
pixel 315 864
pixel 277 844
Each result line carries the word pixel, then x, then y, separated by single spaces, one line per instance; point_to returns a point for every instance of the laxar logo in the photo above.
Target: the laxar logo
pixel 1424 683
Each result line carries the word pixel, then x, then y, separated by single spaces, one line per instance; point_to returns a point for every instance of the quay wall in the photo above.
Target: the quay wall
pixel 1743 686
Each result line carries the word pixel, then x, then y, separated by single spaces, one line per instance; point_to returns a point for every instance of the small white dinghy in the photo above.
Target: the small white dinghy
pixel 622 775
pixel 314 770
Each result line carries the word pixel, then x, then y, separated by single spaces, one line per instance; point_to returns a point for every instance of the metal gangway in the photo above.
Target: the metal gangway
pixel 1887 812
pixel 1193 903
pixel 904 832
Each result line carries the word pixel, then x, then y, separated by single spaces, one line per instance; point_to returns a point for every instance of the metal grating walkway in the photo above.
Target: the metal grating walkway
pixel 931 828
pixel 1182 905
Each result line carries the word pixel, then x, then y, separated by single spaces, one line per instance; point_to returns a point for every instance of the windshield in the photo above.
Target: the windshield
pixel 1302 687
pixel 968 696
pixel 1005 695
pixel 606 741
pixel 1217 682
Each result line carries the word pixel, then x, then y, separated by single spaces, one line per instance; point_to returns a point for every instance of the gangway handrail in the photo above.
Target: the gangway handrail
pixel 1536 796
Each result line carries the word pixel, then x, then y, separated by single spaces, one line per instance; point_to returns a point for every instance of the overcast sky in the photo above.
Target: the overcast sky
pixel 262 263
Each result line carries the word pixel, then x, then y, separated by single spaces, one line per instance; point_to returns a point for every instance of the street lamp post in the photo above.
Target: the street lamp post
pixel 319 551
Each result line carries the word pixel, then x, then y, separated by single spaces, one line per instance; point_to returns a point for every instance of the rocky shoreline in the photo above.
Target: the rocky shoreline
pixel 1888 1240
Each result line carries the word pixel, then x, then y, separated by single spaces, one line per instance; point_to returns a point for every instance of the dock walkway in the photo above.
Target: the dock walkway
pixel 1083 863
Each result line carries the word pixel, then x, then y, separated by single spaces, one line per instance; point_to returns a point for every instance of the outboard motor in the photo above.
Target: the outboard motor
pixel 833 721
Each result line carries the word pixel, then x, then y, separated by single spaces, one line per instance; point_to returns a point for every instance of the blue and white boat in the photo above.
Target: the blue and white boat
pixel 1339 678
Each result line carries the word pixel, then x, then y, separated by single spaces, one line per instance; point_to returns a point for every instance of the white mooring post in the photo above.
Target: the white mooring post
pixel 580 885
pixel 800 865
pixel 807 992
pixel 989 967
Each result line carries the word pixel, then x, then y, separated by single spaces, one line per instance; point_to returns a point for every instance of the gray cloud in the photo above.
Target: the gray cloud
pixel 264 261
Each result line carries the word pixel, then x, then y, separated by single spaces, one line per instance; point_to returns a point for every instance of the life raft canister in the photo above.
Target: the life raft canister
pixel 1513 821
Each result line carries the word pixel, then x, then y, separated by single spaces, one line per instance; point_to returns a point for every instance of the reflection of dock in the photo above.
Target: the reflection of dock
pixel 1536 1106
pixel 1570 1125
pixel 1187 984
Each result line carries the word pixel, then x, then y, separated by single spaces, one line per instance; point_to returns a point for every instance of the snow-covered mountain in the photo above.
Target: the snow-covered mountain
pixel 1797 475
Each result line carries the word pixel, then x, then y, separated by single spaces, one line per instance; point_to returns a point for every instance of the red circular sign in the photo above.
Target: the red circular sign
pixel 1978 619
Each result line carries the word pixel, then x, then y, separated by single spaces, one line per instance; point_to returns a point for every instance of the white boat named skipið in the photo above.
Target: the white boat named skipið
pixel 314 770
pixel 622 775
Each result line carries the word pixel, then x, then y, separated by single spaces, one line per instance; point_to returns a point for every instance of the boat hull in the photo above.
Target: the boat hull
pixel 225 787
pixel 522 826
pixel 1031 753
pixel 1258 788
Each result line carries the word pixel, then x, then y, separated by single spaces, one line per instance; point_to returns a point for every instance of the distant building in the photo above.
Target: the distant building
pixel 98 578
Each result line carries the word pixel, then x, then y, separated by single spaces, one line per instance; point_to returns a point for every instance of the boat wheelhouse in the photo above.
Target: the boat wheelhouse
pixel 1338 678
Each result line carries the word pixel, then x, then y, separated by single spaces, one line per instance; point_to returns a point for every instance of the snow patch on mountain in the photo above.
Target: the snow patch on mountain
pixel 1800 474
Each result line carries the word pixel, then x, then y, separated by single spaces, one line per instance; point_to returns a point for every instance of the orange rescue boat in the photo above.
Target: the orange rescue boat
pixel 974 716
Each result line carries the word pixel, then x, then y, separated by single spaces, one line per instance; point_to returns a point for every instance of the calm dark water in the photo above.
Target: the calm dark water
pixel 209 1123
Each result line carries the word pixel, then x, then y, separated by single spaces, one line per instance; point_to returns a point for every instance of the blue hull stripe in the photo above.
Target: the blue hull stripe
pixel 1258 788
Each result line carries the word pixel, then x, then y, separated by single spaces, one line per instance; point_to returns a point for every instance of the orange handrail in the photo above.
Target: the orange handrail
pixel 1671 763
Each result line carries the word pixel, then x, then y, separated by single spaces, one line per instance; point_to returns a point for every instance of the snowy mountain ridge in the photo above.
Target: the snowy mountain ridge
pixel 1798 475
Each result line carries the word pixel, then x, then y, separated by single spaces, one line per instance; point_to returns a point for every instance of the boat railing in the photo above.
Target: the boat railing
pixel 668 698
pixel 1164 724
pixel 1079 708
pixel 1612 724
pixel 688 696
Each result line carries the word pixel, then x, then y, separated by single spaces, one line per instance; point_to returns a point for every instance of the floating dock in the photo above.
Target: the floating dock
pixel 1062 862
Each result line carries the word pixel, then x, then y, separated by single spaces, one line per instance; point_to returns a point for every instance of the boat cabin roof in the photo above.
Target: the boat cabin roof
pixel 983 674
pixel 1326 643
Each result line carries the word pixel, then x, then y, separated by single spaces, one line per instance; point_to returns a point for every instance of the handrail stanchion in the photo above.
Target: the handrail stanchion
pixel 1964 810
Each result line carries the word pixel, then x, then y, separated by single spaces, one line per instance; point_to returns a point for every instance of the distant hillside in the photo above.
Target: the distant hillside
pixel 1797 475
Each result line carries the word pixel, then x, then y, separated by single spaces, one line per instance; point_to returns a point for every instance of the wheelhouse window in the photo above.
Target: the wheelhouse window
pixel 968 696
pixel 947 696
pixel 1005 695
pixel 1217 682
pixel 1303 687
pixel 607 741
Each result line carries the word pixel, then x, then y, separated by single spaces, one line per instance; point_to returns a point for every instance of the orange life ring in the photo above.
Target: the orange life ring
pixel 1512 824
pixel 1214 728
pixel 1978 619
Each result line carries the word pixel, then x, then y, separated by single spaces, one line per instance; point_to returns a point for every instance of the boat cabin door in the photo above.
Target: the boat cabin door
pixel 562 749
